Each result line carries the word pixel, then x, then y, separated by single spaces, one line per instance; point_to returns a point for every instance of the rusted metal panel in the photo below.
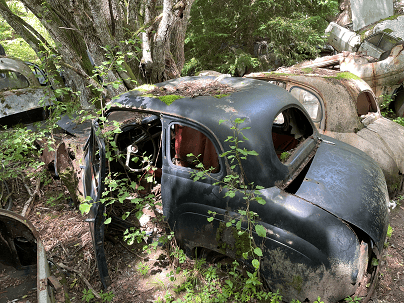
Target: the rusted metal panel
pixel 15 228
pixel 351 114
pixel 370 11
pixel 369 49
pixel 382 76
pixel 21 92
pixel 17 65
pixel 342 39
pixel 22 100
pixel 326 61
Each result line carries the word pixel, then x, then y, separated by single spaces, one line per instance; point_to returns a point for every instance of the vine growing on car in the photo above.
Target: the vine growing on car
pixel 236 183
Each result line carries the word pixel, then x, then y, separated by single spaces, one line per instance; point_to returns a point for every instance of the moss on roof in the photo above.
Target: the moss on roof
pixel 201 87
pixel 345 75
pixel 221 96
pixel 168 99
pixel 307 70
pixel 277 74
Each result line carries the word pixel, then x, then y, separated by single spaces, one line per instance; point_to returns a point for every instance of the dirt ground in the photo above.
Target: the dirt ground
pixel 144 277
pixel 391 283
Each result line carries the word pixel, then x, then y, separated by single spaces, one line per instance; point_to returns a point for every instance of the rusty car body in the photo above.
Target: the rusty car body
pixel 23 263
pixel 344 107
pixel 378 59
pixel 326 210
pixel 23 99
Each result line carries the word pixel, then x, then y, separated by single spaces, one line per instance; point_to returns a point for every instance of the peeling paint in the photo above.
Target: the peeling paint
pixel 17 101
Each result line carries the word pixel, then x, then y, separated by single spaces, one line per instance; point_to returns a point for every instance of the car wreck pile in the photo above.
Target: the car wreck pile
pixel 326 163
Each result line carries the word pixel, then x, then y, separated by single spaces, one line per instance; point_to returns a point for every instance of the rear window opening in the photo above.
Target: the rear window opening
pixel 290 128
pixel 365 104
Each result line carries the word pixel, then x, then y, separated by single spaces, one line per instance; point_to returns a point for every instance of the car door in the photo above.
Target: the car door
pixel 94 172
pixel 186 203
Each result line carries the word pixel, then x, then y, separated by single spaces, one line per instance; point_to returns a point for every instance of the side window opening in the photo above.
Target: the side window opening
pixel 365 104
pixel 186 140
pixel 138 146
pixel 12 80
pixel 290 128
pixel 291 136
pixel 310 102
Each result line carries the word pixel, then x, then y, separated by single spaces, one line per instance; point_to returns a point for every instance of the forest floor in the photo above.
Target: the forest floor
pixel 139 276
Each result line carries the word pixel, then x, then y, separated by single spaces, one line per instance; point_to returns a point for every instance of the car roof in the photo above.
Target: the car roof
pixel 252 99
pixel 338 90
pixel 257 101
pixel 17 65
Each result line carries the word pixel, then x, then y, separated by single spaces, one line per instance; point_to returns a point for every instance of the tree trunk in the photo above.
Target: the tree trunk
pixel 178 33
pixel 130 40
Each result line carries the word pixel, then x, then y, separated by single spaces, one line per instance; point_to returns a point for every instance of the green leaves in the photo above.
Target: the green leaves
pixel 84 208
pixel 228 36
pixel 256 264
pixel 107 221
pixel 260 230
pixel 258 251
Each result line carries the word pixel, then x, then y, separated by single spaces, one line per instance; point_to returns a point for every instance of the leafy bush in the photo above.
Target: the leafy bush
pixel 222 34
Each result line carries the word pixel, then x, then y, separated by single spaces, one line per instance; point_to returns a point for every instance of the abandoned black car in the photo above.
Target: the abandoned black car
pixel 326 210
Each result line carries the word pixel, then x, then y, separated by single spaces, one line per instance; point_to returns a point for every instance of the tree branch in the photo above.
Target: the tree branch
pixel 95 293
pixel 27 206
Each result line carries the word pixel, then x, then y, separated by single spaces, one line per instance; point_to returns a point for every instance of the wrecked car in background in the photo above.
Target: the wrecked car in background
pixel 372 32
pixel 24 270
pixel 23 99
pixel 344 107
pixel 378 60
pixel 326 210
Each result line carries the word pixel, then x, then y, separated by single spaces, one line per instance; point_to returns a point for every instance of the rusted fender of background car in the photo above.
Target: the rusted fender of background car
pixel 44 279
pixel 65 153
pixel 25 99
pixel 379 75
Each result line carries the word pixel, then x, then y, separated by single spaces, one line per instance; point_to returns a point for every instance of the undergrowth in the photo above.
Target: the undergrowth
pixel 387 112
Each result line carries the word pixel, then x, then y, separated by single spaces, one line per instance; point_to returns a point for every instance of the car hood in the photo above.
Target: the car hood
pixel 347 183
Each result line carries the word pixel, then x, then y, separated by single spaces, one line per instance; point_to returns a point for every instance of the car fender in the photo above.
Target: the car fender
pixel 373 145
pixel 349 184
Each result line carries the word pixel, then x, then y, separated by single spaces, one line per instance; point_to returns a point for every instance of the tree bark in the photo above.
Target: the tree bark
pixel 130 39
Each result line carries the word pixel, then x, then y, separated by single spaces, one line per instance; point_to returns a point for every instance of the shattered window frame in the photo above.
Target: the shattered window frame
pixel 320 110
